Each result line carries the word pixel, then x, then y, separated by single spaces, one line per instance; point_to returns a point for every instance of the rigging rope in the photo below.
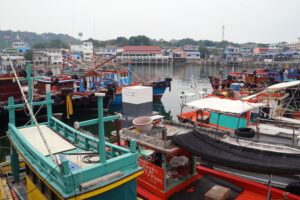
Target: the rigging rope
pixel 31 113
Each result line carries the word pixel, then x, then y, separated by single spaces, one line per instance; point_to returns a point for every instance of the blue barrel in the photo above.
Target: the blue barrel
pixel 236 87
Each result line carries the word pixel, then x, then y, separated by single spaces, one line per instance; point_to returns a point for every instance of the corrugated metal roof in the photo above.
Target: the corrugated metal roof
pixel 140 52
pixel 193 52
pixel 142 48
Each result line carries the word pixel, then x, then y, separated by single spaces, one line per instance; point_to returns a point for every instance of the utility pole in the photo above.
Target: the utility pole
pixel 223 32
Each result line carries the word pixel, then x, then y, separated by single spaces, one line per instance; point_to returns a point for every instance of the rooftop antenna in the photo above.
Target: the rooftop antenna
pixel 80 35
pixel 223 32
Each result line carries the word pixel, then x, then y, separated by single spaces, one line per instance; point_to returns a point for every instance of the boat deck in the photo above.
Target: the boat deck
pixel 55 142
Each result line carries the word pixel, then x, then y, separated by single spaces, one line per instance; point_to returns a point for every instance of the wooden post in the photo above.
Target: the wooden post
pixel 11 111
pixel 49 107
pixel 29 89
pixel 14 157
pixel 101 146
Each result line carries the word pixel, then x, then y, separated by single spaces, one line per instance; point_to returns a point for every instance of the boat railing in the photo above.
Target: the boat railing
pixel 83 140
pixel 34 157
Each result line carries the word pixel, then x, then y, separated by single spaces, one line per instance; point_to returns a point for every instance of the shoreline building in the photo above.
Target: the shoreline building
pixel 192 52
pixel 260 50
pixel 143 54
pixel 85 49
pixel 106 52
pixel 293 46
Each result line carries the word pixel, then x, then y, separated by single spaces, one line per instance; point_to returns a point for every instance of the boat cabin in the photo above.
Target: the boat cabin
pixel 167 168
pixel 55 83
pixel 222 113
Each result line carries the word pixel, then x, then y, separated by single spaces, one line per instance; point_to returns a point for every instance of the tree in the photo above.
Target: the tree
pixel 204 52
pixel 28 55
pixel 40 45
pixel 139 40
pixel 51 44
pixel 56 44
pixel 121 41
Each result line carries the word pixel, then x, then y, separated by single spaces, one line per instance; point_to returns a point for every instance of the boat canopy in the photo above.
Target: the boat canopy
pixel 281 86
pixel 225 105
pixel 275 88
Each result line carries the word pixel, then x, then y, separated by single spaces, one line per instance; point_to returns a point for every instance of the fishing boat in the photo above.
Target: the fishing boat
pixel 172 172
pixel 110 76
pixel 64 163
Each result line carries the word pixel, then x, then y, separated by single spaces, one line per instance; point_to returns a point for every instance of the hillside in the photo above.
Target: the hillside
pixel 7 37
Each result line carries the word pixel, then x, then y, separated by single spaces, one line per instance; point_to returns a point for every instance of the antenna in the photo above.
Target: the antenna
pixel 80 35
pixel 223 32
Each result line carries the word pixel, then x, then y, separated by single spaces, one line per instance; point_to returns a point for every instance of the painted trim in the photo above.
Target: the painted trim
pixel 88 194
pixel 109 187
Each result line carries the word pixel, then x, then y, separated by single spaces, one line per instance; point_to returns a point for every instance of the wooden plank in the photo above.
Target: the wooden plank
pixel 55 142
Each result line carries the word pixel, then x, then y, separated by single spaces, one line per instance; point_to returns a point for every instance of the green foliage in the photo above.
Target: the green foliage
pixel 142 40
pixel 139 40
pixel 28 55
pixel 262 45
pixel 204 51
pixel 51 44
pixel 121 41
pixel 8 37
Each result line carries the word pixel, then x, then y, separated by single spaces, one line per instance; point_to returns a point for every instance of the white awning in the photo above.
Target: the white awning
pixel 281 86
pixel 251 96
pixel 274 88
pixel 225 105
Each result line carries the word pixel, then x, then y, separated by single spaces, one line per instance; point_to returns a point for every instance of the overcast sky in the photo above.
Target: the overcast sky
pixel 244 20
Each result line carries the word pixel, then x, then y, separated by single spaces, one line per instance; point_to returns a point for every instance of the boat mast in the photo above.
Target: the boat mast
pixel 30 109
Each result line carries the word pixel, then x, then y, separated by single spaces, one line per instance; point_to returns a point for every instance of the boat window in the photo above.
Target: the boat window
pixel 244 115
pixel 254 115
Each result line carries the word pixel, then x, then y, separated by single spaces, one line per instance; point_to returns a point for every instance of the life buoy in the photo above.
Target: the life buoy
pixel 245 132
pixel 54 80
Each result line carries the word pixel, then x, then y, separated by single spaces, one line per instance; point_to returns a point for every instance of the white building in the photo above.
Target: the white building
pixel 18 44
pixel 108 51
pixel 85 48
pixel 293 46
pixel 192 55
pixel 18 61
pixel 55 56
pixel 40 57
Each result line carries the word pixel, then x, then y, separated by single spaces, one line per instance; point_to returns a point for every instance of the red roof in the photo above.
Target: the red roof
pixel 141 52
pixel 141 48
